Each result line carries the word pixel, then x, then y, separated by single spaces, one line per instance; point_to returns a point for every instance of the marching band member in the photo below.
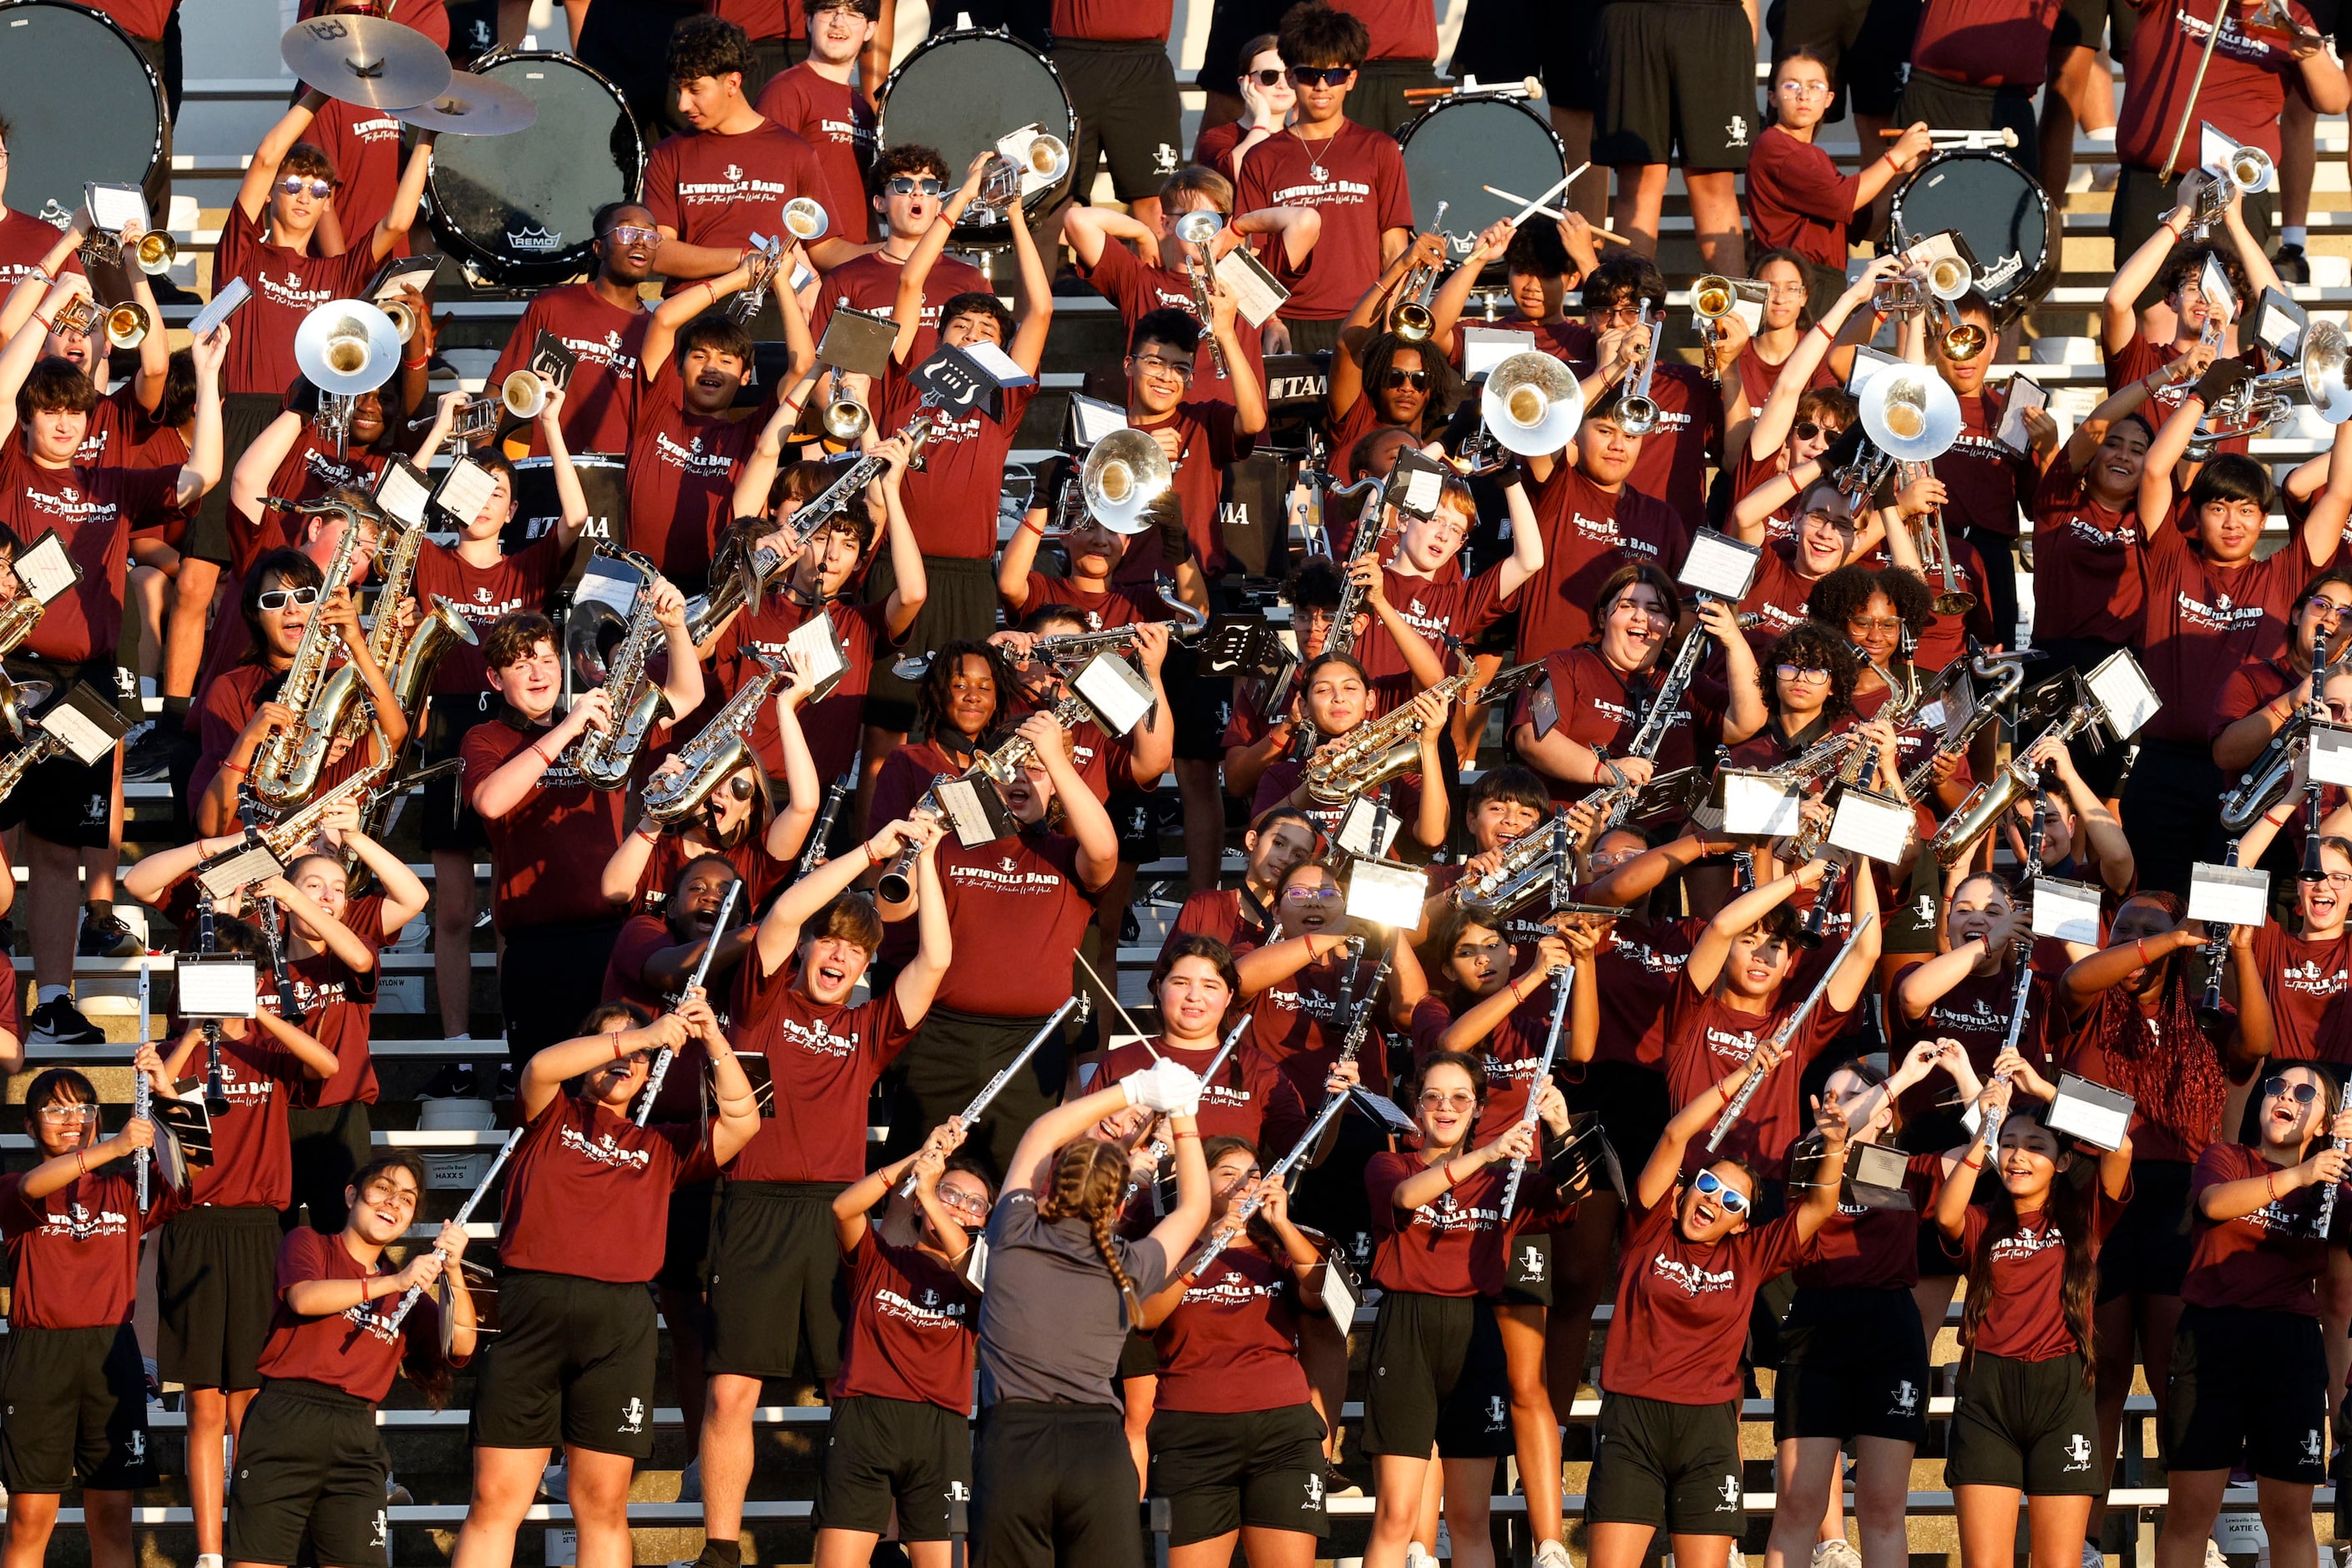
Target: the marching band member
pixel 573 1362
pixel 967 692
pixel 1796 198
pixel 1241 918
pixel 1423 596
pixel 1380 378
pixel 1967 993
pixel 2087 590
pixel 1787 320
pixel 1806 407
pixel 818 101
pixel 1339 703
pixel 599 401
pixel 1542 262
pixel 1832 529
pixel 1253 739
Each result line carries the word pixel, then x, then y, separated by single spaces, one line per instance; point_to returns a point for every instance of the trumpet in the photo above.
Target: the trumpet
pixel 522 396
pixel 1636 414
pixel 403 320
pixel 1046 156
pixel 1714 297
pixel 152 252
pixel 125 326
pixel 2259 402
pixel 805 220
pixel 845 418
pixel 766 257
pixel 1949 278
pixel 1196 230
pixel 2248 170
pixel 1412 320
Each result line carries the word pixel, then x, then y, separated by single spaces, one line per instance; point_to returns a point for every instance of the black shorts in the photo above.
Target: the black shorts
pixel 950 1058
pixel 1054 1484
pixel 1125 97
pixel 1671 1466
pixel 1864 44
pixel 1377 101
pixel 1133 816
pixel 546 976
pixel 1502 40
pixel 1137 1357
pixel 329 1142
pixel 1527 1277
pixel 686 1246
pixel 312 1466
pixel 905 1453
pixel 1855 1364
pixel 448 823
pixel 1259 1469
pixel 244 417
pixel 1438 1376
pixel 63 801
pixel 73 1410
pixel 959 604
pixel 2026 1425
pixel 216 1284
pixel 1232 24
pixel 2084 24
pixel 776 1282
pixel 2147 1252
pixel 2249 1386
pixel 1675 77
pixel 1199 704
pixel 572 1365
pixel 1632 1105
pixel 1957 106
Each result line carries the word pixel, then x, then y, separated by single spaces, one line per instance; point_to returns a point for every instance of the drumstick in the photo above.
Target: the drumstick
pixel 1536 205
pixel 1536 210
pixel 1530 87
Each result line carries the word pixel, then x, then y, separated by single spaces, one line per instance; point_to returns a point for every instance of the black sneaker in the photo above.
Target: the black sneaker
pixel 453 1080
pixel 149 757
pixel 509 1082
pixel 1129 931
pixel 105 936
pixel 2291 265
pixel 60 1023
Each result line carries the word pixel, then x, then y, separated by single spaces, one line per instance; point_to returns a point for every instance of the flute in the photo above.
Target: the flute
pixel 2327 1219
pixel 1282 1169
pixel 701 968
pixel 1781 1036
pixel 1159 1145
pixel 1563 977
pixel 464 1212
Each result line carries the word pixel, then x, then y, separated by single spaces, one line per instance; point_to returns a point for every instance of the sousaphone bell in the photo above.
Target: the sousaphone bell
pixel 1910 415
pixel 346 347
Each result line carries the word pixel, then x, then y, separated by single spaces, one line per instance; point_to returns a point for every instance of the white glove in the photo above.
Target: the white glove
pixel 1165 1086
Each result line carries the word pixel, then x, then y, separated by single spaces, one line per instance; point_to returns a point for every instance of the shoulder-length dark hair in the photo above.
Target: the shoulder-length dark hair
pixel 2070 1210
pixel 939 681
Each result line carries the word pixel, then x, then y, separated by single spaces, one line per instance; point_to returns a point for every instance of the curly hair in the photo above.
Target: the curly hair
pixel 1811 645
pixel 932 697
pixel 909 158
pixel 1843 595
pixel 1086 1184
pixel 708 47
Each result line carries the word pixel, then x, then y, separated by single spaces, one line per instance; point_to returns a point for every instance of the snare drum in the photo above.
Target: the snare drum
pixel 84 103
pixel 961 91
pixel 516 209
pixel 2002 212
pixel 1457 147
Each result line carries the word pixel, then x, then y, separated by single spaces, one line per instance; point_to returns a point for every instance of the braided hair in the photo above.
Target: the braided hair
pixel 1086 1183
pixel 2173 1072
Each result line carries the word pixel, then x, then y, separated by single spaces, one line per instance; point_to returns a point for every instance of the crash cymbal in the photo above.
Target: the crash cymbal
pixel 474 106
pixel 367 60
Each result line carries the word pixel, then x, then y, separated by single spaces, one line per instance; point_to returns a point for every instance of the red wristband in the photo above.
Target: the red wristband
pixel 2141 944
pixel 618 1052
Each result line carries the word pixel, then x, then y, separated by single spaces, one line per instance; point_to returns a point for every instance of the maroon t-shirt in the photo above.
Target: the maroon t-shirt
pixel 870 283
pixel 1985 42
pixel 363 145
pixel 312 471
pixel 430 17
pixel 1301 1023
pixel 1107 611
pixel 913 1325
pixel 287 285
pixel 1401 29
pixel 23 241
pixel 2202 622
pixel 907 772
pixel 1017 908
pixel 641 937
pixel 484 595
pixel 718 190
pixel 1138 287
pixel 549 852
pixel 1231 1343
pixel 1249 1098
pixel 1985 477
pixel 2242 94
pixel 839 125
pixel 1113 21
pixel 1863 1247
pixel 822 1061
pixel 1356 180
pixel 682 469
pixel 253 1155
pixel 761 872
pixel 1219 912
pixel 1214 148
pixel 2266 1261
pixel 1595 705
pixel 1705 1039
pixel 831 726
pixel 1682 1307
pixel 358 1350
pixel 2251 686
pixel 1796 200
pixel 92 511
pixel 1638 971
pixel 1976 1012
pixel 2306 984
pixel 1458 1245
pixel 2086 577
pixel 338 1004
pixel 1588 533
pixel 1208 446
pixel 1461 608
pixel 1758 377
pixel 588 1192
pixel 1513 1051
pixel 1673 464
pixel 75 1254
pixel 2025 1318
pixel 600 402
pixel 952 500
pixel 1778 594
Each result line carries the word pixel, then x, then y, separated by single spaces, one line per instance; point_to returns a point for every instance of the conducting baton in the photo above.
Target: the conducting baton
pixel 701 968
pixel 996 1086
pixel 1563 977
pixel 465 1212
pixel 1781 1036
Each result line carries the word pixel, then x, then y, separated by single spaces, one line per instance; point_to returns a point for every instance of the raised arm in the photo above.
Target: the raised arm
pixel 202 471
pixel 2156 476
pixel 253 191
pixel 401 217
pixel 2322 529
pixel 1714 945
pixel 779 931
pixel 907 309
pixel 2119 310
pixel 1665 1168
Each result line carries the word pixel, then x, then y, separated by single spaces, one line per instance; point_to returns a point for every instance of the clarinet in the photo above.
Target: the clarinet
pixel 1817 919
pixel 1564 979
pixel 823 831
pixel 289 1007
pixel 215 1092
pixel 2216 952
pixel 2020 952
pixel 701 967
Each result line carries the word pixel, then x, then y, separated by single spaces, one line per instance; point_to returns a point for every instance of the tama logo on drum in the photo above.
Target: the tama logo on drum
pixel 532 236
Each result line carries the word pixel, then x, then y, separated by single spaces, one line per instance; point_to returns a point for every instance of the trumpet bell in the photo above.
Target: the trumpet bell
pixel 2250 170
pixel 1965 342
pixel 155 252
pixel 126 326
pixel 523 393
pixel 1910 415
pixel 1413 322
pixel 1125 472
pixel 845 419
pixel 2327 368
pixel 1049 158
pixel 1712 296
pixel 1948 277
pixel 1532 404
pixel 805 219
pixel 403 320
pixel 346 347
pixel 1198 228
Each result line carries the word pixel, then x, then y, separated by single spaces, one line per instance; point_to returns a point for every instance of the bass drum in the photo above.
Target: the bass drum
pixel 962 90
pixel 84 105
pixel 515 209
pixel 1457 147
pixel 2000 210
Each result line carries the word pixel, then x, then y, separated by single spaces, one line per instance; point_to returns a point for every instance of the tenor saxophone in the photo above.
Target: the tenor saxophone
pixel 286 768
pixel 1376 751
pixel 17 620
pixel 343 697
pixel 713 756
pixel 606 757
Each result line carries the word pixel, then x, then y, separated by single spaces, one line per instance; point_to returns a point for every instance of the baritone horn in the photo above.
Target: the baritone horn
pixel 1125 472
pixel 1532 404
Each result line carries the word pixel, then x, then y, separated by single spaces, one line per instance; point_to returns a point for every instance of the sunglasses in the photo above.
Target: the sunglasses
pixel 295 185
pixel 1320 76
pixel 2279 1089
pixel 1265 78
pixel 634 234
pixel 1807 430
pixel 279 598
pixel 908 184
pixel 1416 379
pixel 1710 1186
pixel 741 788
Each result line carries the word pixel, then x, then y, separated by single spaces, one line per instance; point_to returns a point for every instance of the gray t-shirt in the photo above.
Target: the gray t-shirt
pixel 1051 1321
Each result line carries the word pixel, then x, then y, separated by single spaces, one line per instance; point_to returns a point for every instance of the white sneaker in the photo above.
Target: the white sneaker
pixel 2092 1556
pixel 394 1494
pixel 1737 1559
pixel 551 1485
pixel 2213 1558
pixel 1416 1556
pixel 208 1560
pixel 1552 1554
pixel 1837 1553
pixel 689 1481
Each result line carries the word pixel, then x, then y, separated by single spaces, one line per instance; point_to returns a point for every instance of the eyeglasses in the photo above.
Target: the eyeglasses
pixel 2279 1089
pixel 633 234
pixel 962 1203
pixel 1265 78
pixel 1801 672
pixel 2327 607
pixel 1859 624
pixel 2337 878
pixel 295 185
pixel 908 184
pixel 279 598
pixel 1709 1185
pixel 1158 366
pixel 1416 379
pixel 1432 1099
pixel 1320 76
pixel 1806 89
pixel 1790 290
pixel 1308 895
pixel 59 1115
pixel 1808 430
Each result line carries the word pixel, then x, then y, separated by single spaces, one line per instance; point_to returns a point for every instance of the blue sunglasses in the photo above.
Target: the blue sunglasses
pixel 1710 1186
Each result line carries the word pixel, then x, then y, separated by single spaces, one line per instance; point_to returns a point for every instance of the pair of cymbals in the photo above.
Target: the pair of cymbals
pixel 378 63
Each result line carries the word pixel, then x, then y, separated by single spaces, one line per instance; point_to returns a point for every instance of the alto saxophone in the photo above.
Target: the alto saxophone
pixel 286 768
pixel 606 757
pixel 27 757
pixel 711 756
pixel 289 833
pixel 1376 751
pixel 17 620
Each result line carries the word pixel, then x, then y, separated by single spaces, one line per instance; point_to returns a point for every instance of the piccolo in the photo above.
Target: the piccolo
pixel 464 1212
pixel 1564 978
pixel 694 982
pixel 1781 1036
pixel 996 1086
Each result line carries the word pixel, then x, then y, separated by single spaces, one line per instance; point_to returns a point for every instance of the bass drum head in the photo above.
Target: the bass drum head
pixel 959 91
pixel 83 103
pixel 2004 212
pixel 517 207
pixel 1452 150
